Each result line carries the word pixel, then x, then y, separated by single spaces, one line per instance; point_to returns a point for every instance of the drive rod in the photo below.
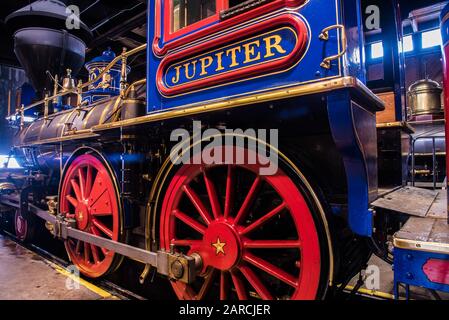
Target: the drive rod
pixel 170 264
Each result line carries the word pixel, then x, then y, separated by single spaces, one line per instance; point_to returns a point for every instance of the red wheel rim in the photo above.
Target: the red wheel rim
pixel 89 196
pixel 21 226
pixel 268 251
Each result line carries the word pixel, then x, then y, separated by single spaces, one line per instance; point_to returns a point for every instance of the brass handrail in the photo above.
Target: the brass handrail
pixel 81 85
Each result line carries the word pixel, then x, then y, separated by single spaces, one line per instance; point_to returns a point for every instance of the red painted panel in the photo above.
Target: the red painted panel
pixel 437 270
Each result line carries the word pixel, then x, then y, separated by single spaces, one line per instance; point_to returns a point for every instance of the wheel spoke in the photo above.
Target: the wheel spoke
pixel 186 243
pixel 248 200
pixel 102 228
pixel 212 193
pixel 78 247
pixel 255 282
pixel 76 190
pixel 189 221
pixel 224 288
pixel 82 183
pixel 272 244
pixel 72 201
pixel 229 192
pixel 88 188
pixel 86 252
pixel 198 204
pixel 270 269
pixel 102 206
pixel 239 286
pixel 208 280
pixel 97 190
pixel 96 232
pixel 258 223
pixel 95 255
pixel 101 214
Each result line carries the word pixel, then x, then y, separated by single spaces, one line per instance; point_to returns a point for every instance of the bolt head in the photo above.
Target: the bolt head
pixel 177 269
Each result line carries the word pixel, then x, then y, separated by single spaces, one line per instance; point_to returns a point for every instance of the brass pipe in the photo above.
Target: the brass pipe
pixel 46 107
pixel 22 116
pixel 123 76
pixel 133 85
pixel 55 89
pixel 9 103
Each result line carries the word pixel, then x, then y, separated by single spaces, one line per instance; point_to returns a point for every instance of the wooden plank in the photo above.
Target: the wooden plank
pixel 416 229
pixel 408 200
pixel 425 230
pixel 438 210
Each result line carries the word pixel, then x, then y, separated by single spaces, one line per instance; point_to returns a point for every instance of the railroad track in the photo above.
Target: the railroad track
pixel 62 266
pixel 122 293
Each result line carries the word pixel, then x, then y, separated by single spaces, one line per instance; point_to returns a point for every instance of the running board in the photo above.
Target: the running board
pixel 173 265
pixel 414 202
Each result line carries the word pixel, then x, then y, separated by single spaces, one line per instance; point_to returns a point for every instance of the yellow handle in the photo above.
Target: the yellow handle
pixel 324 35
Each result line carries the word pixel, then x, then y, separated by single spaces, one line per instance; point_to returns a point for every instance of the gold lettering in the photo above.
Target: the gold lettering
pixel 233 55
pixel 205 65
pixel 249 51
pixel 175 79
pixel 273 45
pixel 186 67
pixel 219 61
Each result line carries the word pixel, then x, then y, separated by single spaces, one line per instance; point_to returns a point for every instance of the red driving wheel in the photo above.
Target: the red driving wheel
pixel 89 195
pixel 255 234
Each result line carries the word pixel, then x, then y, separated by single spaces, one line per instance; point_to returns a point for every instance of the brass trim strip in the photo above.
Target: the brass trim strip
pixel 401 124
pixel 416 245
pixel 445 18
pixel 300 90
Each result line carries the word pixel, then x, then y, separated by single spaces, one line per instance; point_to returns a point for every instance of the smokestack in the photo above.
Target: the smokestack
pixel 43 42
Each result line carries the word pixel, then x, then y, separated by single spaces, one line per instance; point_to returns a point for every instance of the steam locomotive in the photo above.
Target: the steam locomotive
pixel 108 174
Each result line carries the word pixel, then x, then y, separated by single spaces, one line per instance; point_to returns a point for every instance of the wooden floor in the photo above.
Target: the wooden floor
pixel 413 201
pixel 427 230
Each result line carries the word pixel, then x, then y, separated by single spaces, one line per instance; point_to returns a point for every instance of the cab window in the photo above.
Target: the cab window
pixel 187 12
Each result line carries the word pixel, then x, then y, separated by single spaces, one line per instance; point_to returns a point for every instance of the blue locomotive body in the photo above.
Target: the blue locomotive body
pixel 278 45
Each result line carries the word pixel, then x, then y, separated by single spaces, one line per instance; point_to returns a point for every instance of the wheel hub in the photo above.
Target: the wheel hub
pixel 82 215
pixel 221 246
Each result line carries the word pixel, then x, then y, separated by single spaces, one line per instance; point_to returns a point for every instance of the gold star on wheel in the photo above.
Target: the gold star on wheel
pixel 219 247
